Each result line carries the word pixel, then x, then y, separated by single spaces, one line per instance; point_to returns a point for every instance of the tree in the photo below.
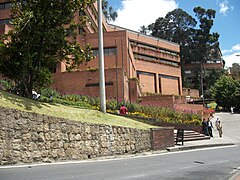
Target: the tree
pixel 235 71
pixel 108 11
pixel 177 26
pixel 143 29
pixel 196 44
pixel 205 42
pixel 44 34
pixel 226 92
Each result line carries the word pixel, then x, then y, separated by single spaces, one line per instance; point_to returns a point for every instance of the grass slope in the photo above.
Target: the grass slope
pixel 9 100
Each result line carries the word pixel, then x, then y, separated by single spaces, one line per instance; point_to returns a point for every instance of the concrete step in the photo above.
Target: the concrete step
pixel 191 136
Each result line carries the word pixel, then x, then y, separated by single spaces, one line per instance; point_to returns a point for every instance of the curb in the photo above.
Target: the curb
pixel 236 175
pixel 173 149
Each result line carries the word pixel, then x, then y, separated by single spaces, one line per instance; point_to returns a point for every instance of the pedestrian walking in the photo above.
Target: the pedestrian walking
pixel 210 127
pixel 219 128
pixel 205 127
pixel 216 122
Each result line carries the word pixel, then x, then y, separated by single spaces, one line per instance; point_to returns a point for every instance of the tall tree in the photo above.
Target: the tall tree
pixel 177 26
pixel 40 39
pixel 196 44
pixel 206 43
pixel 108 11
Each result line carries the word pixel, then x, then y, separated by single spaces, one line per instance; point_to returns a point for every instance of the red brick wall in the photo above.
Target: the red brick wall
pixel 195 107
pixel 162 137
pixel 147 83
pixel 133 96
pixel 162 101
pixel 168 86
pixel 75 83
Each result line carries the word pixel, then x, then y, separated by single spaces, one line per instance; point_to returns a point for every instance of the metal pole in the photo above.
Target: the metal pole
pixel 101 59
pixel 202 84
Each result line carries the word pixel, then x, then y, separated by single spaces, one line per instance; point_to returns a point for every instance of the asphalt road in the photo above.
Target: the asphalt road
pixel 212 163
pixel 231 126
pixel 217 163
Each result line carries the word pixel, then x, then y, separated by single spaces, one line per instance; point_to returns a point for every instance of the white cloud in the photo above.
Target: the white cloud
pixel 135 13
pixel 224 7
pixel 232 56
pixel 235 48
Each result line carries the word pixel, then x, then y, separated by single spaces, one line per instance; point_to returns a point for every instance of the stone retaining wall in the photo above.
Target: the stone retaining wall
pixel 29 138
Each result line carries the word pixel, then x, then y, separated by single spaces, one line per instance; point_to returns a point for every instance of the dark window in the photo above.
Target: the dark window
pixel 97 84
pixel 145 73
pixel 107 51
pixel 168 77
pixel 5 21
pixel 5 6
pixel 81 30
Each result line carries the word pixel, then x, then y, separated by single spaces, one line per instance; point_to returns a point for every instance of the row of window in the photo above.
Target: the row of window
pixel 153 48
pixel 5 5
pixel 107 51
pixel 150 58
pixel 159 75
pixel 208 62
pixel 5 21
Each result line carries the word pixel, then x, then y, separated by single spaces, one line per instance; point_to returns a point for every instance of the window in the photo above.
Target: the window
pixel 97 84
pixel 107 51
pixel 5 21
pixel 168 77
pixel 5 6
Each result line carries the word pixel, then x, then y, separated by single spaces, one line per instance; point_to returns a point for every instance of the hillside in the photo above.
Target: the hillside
pixel 9 100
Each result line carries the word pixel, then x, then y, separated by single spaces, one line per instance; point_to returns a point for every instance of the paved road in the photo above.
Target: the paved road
pixel 231 126
pixel 214 164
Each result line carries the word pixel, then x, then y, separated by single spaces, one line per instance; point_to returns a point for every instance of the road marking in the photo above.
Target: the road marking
pixel 112 159
pixel 188 167
pixel 135 176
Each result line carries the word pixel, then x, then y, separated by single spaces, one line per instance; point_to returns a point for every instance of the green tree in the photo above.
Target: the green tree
pixel 177 26
pixel 196 44
pixel 235 71
pixel 143 29
pixel 44 34
pixel 205 42
pixel 108 11
pixel 226 92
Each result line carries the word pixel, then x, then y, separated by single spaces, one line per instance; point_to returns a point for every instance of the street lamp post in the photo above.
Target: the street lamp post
pixel 101 59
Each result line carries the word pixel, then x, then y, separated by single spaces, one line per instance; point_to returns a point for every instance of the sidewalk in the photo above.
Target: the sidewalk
pixel 213 142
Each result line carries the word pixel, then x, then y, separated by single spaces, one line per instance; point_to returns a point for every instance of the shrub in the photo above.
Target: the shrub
pixel 47 92
pixel 6 85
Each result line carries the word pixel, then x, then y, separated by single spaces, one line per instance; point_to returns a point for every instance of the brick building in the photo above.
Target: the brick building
pixel 135 63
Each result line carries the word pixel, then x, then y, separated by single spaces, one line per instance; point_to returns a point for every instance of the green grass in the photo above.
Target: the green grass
pixel 9 100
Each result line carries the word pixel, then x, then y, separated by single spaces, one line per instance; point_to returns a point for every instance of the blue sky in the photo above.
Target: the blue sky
pixel 135 13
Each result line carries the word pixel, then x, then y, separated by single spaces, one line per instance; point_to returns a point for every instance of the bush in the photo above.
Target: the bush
pixel 6 85
pixel 137 110
pixel 47 92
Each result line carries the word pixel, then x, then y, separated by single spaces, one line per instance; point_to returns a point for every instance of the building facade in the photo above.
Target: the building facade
pixel 135 63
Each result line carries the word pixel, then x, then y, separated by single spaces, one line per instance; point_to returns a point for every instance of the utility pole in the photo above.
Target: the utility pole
pixel 101 59
pixel 202 75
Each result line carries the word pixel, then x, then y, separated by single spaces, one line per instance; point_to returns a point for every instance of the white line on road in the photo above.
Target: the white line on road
pixel 111 159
